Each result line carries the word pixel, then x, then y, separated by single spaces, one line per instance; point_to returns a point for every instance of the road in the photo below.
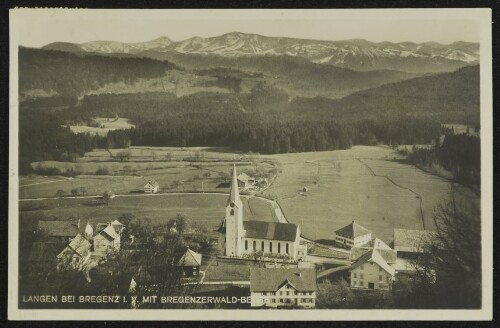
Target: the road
pixel 328 272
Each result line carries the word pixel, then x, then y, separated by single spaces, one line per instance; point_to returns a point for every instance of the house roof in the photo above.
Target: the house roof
pixel 243 177
pixel 271 279
pixel 270 230
pixel 80 245
pixel 373 256
pixel 58 228
pixel 190 258
pixel 411 240
pixel 389 255
pixel 107 230
pixel 153 183
pixel 352 231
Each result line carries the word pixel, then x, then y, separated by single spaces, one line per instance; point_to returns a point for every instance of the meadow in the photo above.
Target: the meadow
pixel 364 183
pixel 105 125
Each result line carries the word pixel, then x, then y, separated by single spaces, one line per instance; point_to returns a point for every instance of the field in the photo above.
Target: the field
pixel 105 125
pixel 203 210
pixel 362 184
pixel 175 169
pixel 320 191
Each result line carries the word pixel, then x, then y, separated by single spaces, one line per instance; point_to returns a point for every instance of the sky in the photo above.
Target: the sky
pixel 35 28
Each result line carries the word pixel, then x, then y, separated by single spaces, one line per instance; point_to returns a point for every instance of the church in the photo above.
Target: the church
pixel 244 238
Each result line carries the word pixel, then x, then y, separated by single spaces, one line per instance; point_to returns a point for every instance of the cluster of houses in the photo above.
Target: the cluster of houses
pixel 69 245
pixel 374 264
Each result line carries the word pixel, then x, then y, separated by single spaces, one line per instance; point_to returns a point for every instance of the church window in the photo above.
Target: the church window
pixel 286 248
pixel 279 247
pixel 232 212
pixel 254 245
pixel 246 245
pixel 270 246
pixel 262 245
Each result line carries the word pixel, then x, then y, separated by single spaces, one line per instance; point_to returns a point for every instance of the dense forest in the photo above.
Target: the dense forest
pixel 460 154
pixel 73 74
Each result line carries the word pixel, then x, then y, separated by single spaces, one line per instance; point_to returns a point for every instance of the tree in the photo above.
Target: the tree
pixel 83 190
pixel 182 223
pixel 60 193
pixel 449 271
pixel 335 295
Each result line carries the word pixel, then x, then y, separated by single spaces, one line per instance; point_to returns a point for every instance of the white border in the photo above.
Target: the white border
pixel 482 16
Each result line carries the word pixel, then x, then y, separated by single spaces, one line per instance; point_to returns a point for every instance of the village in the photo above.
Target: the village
pixel 272 263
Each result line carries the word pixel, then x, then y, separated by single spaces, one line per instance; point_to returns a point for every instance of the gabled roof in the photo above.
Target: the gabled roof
pixel 270 230
pixel 80 245
pixel 272 279
pixel 352 231
pixel 373 256
pixel 411 240
pixel 107 231
pixel 58 228
pixel 190 258
pixel 389 255
pixel 152 183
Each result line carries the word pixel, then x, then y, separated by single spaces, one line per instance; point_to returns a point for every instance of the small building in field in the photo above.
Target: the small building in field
pixel 371 271
pixel 75 254
pixel 190 262
pixel 151 187
pixel 283 287
pixel 245 181
pixel 352 235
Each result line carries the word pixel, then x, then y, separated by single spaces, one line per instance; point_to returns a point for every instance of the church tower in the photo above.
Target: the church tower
pixel 234 219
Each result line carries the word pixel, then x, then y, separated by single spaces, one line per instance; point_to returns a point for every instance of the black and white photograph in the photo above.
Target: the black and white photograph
pixel 240 164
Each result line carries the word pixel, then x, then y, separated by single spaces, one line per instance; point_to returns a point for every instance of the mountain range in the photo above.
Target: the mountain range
pixel 355 54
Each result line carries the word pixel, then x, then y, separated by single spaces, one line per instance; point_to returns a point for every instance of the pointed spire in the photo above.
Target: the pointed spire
pixel 235 194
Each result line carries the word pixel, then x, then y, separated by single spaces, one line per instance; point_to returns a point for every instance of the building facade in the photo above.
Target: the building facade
pixel 283 287
pixel 371 271
pixel 352 235
pixel 151 187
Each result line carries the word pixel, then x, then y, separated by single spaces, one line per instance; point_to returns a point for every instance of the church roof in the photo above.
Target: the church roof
pixel 270 230
pixel 190 258
pixel 352 231
pixel 271 279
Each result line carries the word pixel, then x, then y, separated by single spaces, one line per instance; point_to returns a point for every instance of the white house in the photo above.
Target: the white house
pixel 190 262
pixel 371 271
pixel 352 235
pixel 151 187
pixel 245 181
pixel 245 238
pixel 283 287
pixel 106 239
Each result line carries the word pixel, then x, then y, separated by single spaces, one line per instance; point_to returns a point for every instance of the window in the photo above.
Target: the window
pixel 379 269
pixel 354 275
pixel 273 300
pixel 273 293
pixel 287 293
pixel 279 247
pixel 286 248
pixel 361 267
pixel 270 246
pixel 361 283
pixel 262 245
pixel 232 212
pixel 246 245
pixel 380 278
pixel 361 276
pixel 254 245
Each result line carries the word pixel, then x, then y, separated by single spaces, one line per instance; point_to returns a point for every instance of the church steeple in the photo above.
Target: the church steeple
pixel 235 194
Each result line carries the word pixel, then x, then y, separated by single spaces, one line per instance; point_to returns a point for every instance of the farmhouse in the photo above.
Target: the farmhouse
pixel 75 254
pixel 190 263
pixel 107 238
pixel 151 187
pixel 372 270
pixel 245 181
pixel 410 245
pixel 282 287
pixel 352 235
pixel 245 238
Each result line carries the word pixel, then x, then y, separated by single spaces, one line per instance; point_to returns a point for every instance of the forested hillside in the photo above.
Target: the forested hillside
pixel 73 74
pixel 447 97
